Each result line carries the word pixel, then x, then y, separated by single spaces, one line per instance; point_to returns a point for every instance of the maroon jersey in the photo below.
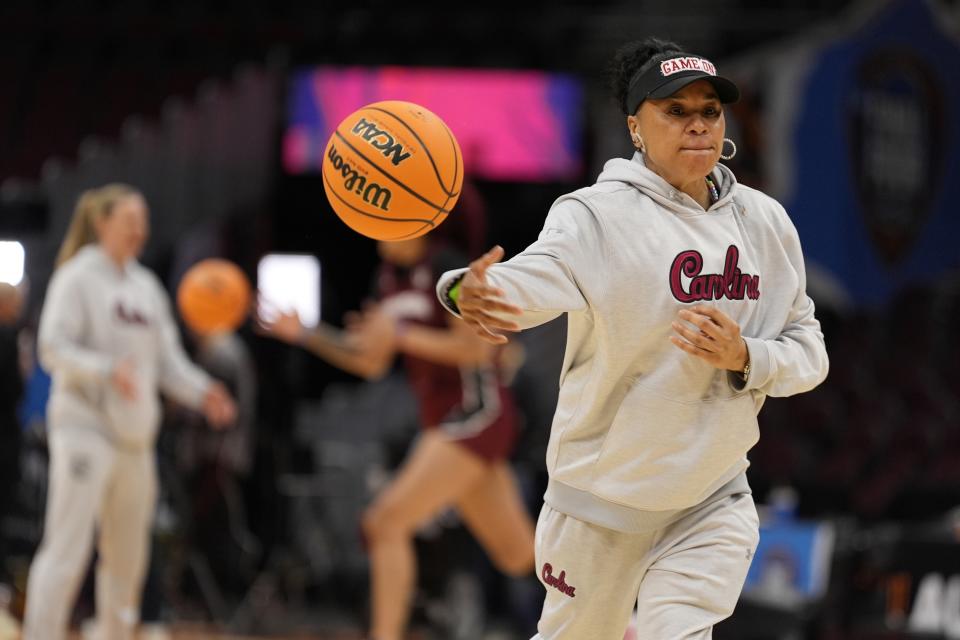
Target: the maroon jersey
pixel 469 403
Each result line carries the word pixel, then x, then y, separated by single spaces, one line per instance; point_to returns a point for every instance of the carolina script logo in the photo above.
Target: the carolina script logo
pixel 372 192
pixel 731 284
pixel 129 315
pixel 557 583
pixel 380 140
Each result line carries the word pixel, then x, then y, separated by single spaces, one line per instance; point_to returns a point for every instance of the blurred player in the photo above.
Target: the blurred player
pixel 685 296
pixel 11 391
pixel 461 458
pixel 110 343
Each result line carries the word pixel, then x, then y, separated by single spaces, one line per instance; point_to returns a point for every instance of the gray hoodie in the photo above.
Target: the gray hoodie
pixel 94 314
pixel 643 431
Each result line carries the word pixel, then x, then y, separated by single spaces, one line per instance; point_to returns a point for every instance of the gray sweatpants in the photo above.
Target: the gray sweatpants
pixel 92 485
pixel 684 578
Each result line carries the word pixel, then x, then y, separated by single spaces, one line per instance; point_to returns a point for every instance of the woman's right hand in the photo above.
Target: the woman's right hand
pixel 123 379
pixel 482 306
pixel 281 325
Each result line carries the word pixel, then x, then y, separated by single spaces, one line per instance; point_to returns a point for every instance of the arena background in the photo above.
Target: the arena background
pixel 209 108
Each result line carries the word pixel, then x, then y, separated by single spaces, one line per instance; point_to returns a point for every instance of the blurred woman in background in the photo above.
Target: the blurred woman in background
pixel 109 340
pixel 461 459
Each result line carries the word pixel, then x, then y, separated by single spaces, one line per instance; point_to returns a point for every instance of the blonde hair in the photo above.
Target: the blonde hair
pixel 92 205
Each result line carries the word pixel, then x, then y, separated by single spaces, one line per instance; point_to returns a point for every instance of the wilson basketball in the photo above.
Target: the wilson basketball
pixel 392 170
pixel 213 297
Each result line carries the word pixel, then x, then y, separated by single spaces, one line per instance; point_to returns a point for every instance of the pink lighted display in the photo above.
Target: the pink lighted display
pixel 511 125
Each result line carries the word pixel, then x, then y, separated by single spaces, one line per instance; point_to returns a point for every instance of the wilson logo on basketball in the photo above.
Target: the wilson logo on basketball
pixel 371 192
pixel 380 140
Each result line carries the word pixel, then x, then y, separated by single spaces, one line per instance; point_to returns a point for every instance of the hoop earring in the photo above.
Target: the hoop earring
pixel 733 151
pixel 638 142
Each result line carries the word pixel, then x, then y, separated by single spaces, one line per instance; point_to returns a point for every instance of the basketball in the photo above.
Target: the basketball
pixel 213 297
pixel 392 170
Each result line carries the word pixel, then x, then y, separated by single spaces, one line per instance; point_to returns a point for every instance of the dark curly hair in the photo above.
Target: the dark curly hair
pixel 630 58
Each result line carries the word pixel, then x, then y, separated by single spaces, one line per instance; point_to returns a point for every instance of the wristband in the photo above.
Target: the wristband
pixel 452 293
pixel 455 292
pixel 746 367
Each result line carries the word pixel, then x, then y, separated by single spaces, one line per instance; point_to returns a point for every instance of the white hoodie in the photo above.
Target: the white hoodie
pixel 94 314
pixel 643 431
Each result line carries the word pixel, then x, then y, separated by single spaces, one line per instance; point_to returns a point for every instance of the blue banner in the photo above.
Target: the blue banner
pixel 876 153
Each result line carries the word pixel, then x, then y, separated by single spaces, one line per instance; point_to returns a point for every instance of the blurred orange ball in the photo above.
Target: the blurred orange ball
pixel 214 297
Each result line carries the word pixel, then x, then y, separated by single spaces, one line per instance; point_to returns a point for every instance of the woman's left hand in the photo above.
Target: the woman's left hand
pixel 218 407
pixel 716 340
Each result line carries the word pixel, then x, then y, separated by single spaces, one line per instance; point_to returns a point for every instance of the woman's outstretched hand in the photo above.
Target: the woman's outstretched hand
pixel 275 323
pixel 482 306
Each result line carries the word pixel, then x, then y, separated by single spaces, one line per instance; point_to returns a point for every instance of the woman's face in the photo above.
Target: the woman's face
pixel 123 232
pixel 403 253
pixel 683 134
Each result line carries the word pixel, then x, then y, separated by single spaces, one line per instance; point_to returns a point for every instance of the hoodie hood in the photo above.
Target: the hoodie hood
pixel 634 171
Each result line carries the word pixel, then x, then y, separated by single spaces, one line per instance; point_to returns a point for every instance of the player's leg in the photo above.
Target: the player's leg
pixel 591 575
pixel 124 544
pixel 496 515
pixel 434 476
pixel 80 469
pixel 700 565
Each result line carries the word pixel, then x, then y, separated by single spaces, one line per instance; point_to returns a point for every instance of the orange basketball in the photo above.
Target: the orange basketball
pixel 214 297
pixel 392 170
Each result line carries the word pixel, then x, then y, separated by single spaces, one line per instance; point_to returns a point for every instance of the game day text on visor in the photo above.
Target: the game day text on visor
pixel 688 63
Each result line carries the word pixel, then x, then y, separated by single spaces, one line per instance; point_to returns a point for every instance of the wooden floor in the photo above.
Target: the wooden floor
pixel 181 632
pixel 197 633
pixel 10 627
pixel 200 634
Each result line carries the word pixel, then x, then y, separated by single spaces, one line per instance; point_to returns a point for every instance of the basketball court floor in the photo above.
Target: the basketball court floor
pixel 196 633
